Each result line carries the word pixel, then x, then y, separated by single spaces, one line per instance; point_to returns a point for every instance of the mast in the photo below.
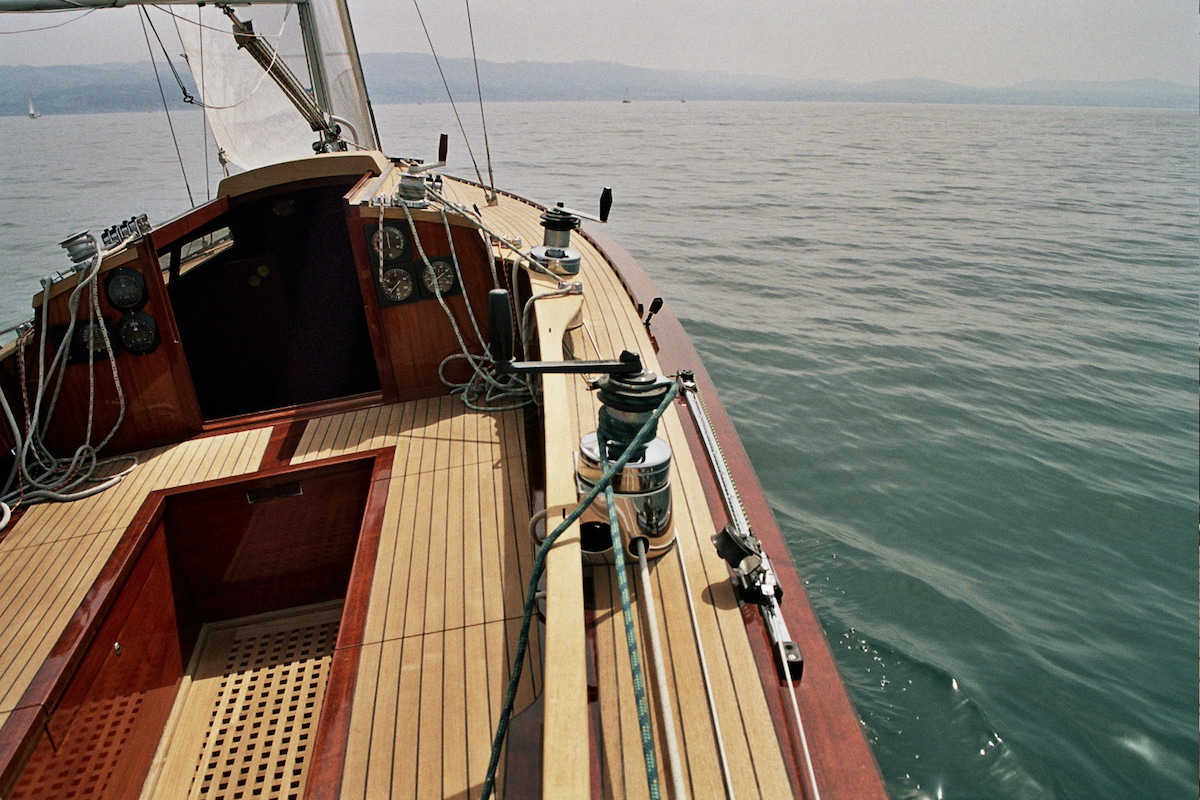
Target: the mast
pixel 335 104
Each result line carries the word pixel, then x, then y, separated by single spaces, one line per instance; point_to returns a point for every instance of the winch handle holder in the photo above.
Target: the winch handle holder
pixel 500 336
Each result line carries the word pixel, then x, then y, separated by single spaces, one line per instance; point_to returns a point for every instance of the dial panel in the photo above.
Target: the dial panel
pixel 138 333
pixel 438 277
pixel 390 241
pixel 397 284
pixel 125 289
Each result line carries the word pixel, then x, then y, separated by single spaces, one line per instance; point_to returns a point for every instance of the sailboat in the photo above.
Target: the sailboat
pixel 33 112
pixel 362 480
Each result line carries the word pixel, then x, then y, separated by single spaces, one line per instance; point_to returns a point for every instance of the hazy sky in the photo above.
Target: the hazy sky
pixel 979 42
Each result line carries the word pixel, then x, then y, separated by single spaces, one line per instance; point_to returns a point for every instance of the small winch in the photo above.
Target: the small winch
pixel 642 489
pixel 555 253
pixel 412 190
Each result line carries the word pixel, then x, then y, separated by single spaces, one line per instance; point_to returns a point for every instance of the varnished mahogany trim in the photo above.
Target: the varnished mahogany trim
pixel 333 730
pixel 285 438
pixel 366 284
pixel 321 408
pixel 188 224
pixel 18 738
pixel 26 725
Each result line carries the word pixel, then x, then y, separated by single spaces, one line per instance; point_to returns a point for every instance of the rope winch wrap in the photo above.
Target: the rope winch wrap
pixel 644 434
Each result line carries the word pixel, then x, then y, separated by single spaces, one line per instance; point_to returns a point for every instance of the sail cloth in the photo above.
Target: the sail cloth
pixel 252 120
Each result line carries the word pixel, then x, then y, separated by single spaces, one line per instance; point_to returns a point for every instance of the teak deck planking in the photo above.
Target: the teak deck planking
pixel 53 554
pixel 445 600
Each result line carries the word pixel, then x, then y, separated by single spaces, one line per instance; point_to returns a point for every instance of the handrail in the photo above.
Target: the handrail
pixel 565 770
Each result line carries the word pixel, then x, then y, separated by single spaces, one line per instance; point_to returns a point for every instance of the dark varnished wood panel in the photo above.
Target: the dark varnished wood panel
pixel 412 339
pixel 234 558
pixel 160 406
pixel 107 728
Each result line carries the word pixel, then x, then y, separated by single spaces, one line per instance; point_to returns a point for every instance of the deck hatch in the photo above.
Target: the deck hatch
pixel 246 723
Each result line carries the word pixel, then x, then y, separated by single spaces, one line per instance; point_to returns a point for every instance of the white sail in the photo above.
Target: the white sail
pixel 252 120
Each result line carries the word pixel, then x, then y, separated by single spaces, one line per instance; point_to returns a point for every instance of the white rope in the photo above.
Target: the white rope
pixel 678 786
pixel 812 777
pixel 38 473
pixel 497 395
pixel 722 756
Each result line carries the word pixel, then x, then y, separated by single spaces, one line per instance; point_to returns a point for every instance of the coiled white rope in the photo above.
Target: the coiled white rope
pixel 486 390
pixel 37 473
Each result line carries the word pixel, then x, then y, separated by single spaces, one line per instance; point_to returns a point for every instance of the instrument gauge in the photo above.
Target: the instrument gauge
pixel 389 241
pixel 438 277
pixel 126 289
pixel 397 284
pixel 138 333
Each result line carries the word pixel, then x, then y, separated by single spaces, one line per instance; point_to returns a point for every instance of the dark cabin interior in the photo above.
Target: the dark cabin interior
pixel 276 319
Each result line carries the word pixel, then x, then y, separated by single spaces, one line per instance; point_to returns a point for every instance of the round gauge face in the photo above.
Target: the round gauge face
pixel 438 277
pixel 397 284
pixel 138 333
pixel 389 241
pixel 126 289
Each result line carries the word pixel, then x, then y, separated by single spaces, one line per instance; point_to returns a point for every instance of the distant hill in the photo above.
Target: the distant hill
pixel 414 78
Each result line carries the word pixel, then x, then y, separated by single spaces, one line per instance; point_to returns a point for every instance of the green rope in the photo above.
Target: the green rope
pixel 539 563
pixel 635 662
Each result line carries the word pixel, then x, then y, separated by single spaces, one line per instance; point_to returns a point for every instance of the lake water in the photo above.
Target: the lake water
pixel 959 344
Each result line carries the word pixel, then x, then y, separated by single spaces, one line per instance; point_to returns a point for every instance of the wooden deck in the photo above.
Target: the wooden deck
pixel 756 766
pixel 445 598
pixel 54 553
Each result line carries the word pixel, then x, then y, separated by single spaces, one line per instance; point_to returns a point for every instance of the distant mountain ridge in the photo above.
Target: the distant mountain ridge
pixel 414 78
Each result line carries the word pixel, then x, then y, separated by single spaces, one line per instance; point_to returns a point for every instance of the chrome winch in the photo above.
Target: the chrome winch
pixel 642 489
pixel 555 251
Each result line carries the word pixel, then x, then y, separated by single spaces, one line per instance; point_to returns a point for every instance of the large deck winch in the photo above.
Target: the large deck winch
pixel 642 489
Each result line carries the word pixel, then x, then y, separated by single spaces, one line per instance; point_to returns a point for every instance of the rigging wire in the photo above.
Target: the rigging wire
pixel 187 97
pixel 487 148
pixel 449 94
pixel 51 27
pixel 203 117
pixel 145 18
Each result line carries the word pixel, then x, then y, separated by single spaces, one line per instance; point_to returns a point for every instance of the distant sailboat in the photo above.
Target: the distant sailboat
pixel 33 112
pixel 626 99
